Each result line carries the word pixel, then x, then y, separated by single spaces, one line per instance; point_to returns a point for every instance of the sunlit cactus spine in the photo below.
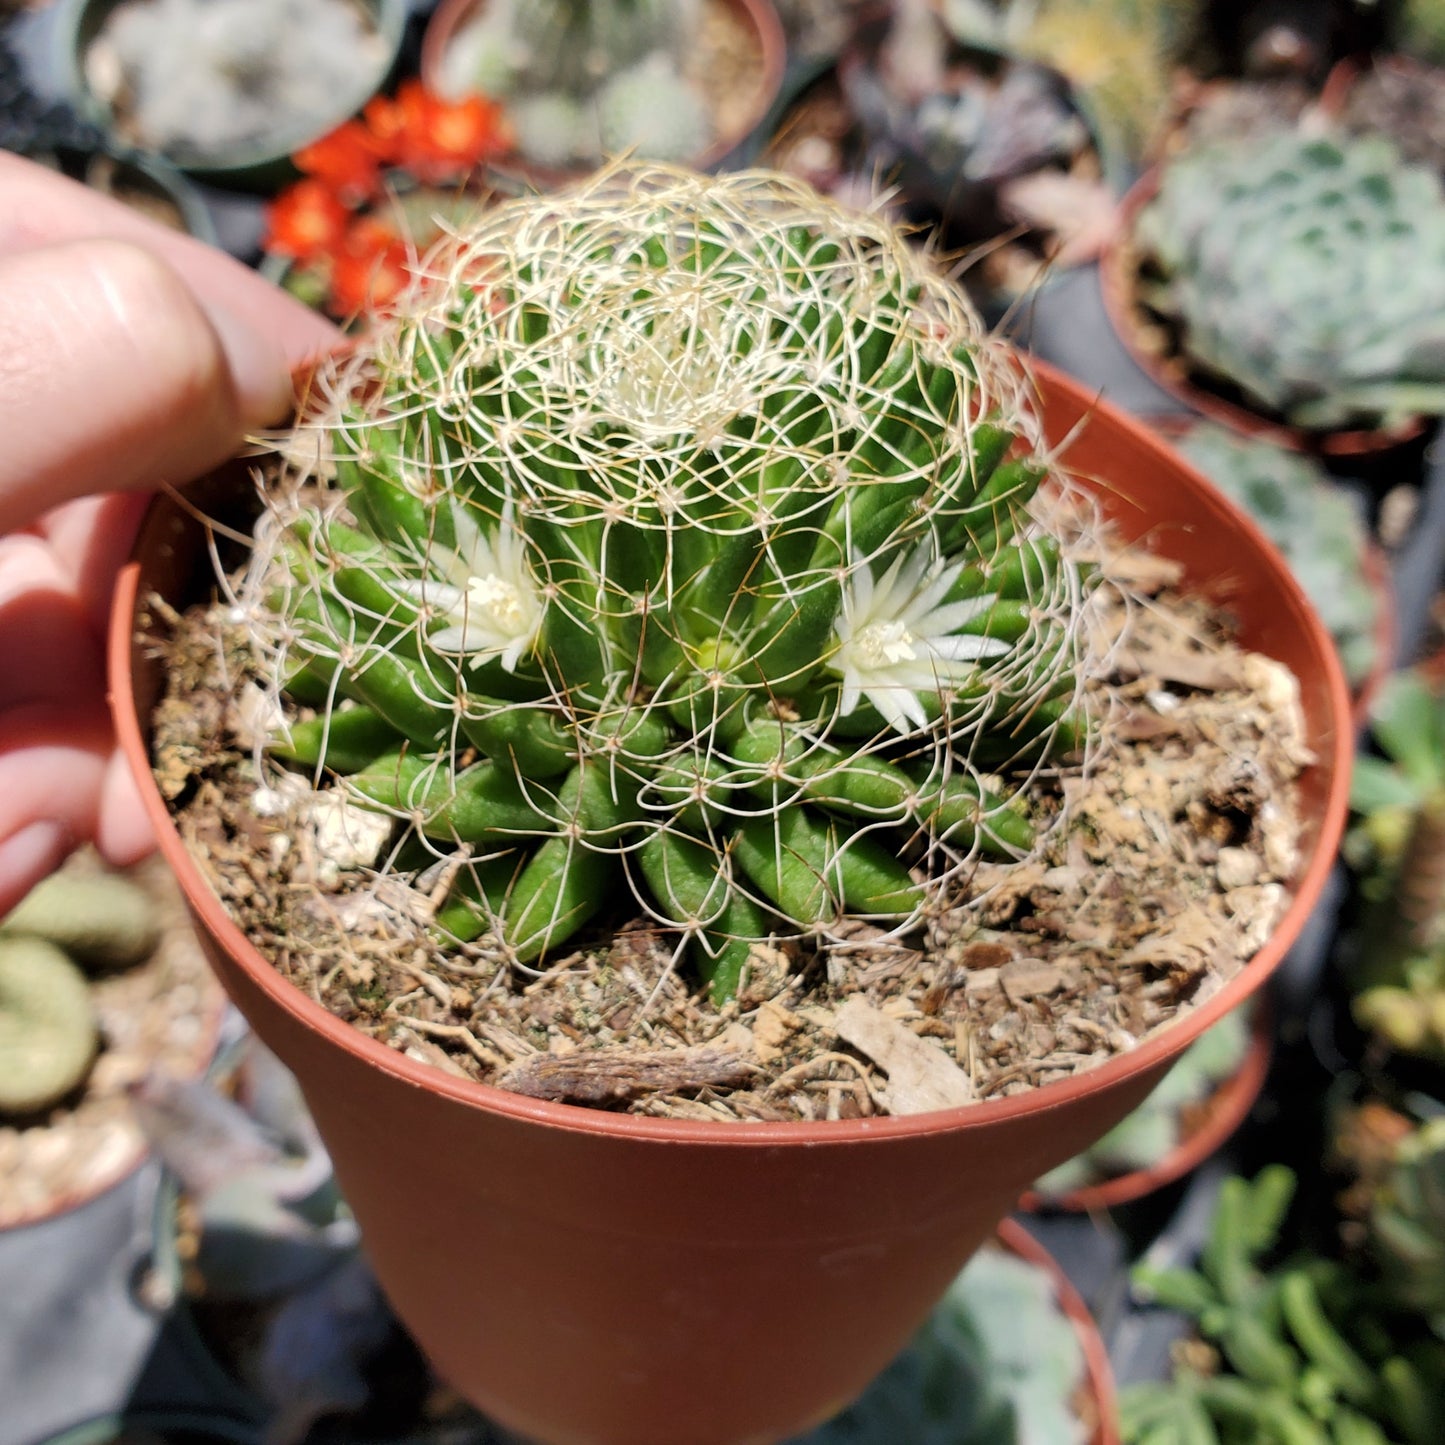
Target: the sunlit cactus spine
pixel 678 532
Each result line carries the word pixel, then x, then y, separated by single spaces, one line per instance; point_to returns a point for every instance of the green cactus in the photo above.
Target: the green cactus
pixel 1396 959
pixel 1312 520
pixel 104 922
pixel 612 70
pixel 1301 271
pixel 689 544
pixel 997 1363
pixel 47 1030
pixel 1155 1128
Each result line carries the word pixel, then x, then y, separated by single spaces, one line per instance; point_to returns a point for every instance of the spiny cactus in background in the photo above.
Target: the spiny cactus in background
pixel 680 534
pixel 1303 1356
pixel 1304 272
pixel 1407 1226
pixel 1312 520
pixel 997 1363
pixel 47 1031
pixel 1156 1127
pixel 1118 56
pixel 584 77
pixel 1396 959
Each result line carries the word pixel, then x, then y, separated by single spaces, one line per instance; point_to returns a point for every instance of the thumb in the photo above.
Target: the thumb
pixel 113 376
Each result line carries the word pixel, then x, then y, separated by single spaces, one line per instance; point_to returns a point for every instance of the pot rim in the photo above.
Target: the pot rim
pixel 1152 1051
pixel 1117 270
pixel 1098 1375
pixel 1232 1100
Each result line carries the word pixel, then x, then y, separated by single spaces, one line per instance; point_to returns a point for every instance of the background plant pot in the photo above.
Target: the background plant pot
pixel 262 166
pixel 758 16
pixel 592 1277
pixel 1099 1375
pixel 1118 279
pixel 144 182
pixel 1224 1111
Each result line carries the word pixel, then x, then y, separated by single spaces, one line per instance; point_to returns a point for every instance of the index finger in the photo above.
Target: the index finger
pixel 39 208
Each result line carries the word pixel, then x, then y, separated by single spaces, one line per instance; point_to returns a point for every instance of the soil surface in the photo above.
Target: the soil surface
pixel 1165 874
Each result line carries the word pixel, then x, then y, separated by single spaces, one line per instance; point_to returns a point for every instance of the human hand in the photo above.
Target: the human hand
pixel 130 356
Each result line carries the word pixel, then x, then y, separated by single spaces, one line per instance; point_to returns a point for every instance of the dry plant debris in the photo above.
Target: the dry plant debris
pixel 1166 872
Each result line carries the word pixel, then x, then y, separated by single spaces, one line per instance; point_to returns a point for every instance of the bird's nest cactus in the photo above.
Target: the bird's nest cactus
pixel 679 537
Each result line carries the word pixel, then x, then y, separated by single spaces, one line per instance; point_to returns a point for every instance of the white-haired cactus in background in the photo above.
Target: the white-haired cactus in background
pixel 1303 271
pixel 680 533
pixel 583 78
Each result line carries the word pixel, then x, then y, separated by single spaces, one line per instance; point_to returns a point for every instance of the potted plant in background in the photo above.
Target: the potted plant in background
pixel 1261 284
pixel 725 498
pixel 228 89
pixel 54 135
pixel 1310 1343
pixel 1394 959
pixel 685 82
pixel 979 142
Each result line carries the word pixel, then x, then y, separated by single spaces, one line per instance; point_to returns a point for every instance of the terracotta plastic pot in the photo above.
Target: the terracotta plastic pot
pixel 1118 282
pixel 593 1277
pixel 758 16
pixel 1101 1396
pixel 1223 1112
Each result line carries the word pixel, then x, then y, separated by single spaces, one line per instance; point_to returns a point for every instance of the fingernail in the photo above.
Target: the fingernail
pixel 258 369
pixel 26 857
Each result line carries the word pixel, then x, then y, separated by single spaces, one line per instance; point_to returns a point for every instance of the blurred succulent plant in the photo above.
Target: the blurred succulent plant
pixel 584 78
pixel 997 1363
pixel 1397 955
pixel 48 1036
pixel 1421 29
pixel 1312 520
pixel 687 540
pixel 1294 268
pixel 1303 1358
pixel 1157 1126
pixel 1117 54
pixel 1407 1225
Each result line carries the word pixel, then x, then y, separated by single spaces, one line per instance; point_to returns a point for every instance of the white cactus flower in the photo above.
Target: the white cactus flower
pixel 895 636
pixel 489 594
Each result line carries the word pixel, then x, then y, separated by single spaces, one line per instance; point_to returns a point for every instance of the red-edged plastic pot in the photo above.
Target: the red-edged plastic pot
pixel 1119 265
pixel 1101 1396
pixel 1224 1111
pixel 593 1277
pixel 760 18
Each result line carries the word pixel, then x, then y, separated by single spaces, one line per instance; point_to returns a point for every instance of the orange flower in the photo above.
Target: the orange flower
pixel 349 160
pixel 305 221
pixel 440 140
pixel 371 270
